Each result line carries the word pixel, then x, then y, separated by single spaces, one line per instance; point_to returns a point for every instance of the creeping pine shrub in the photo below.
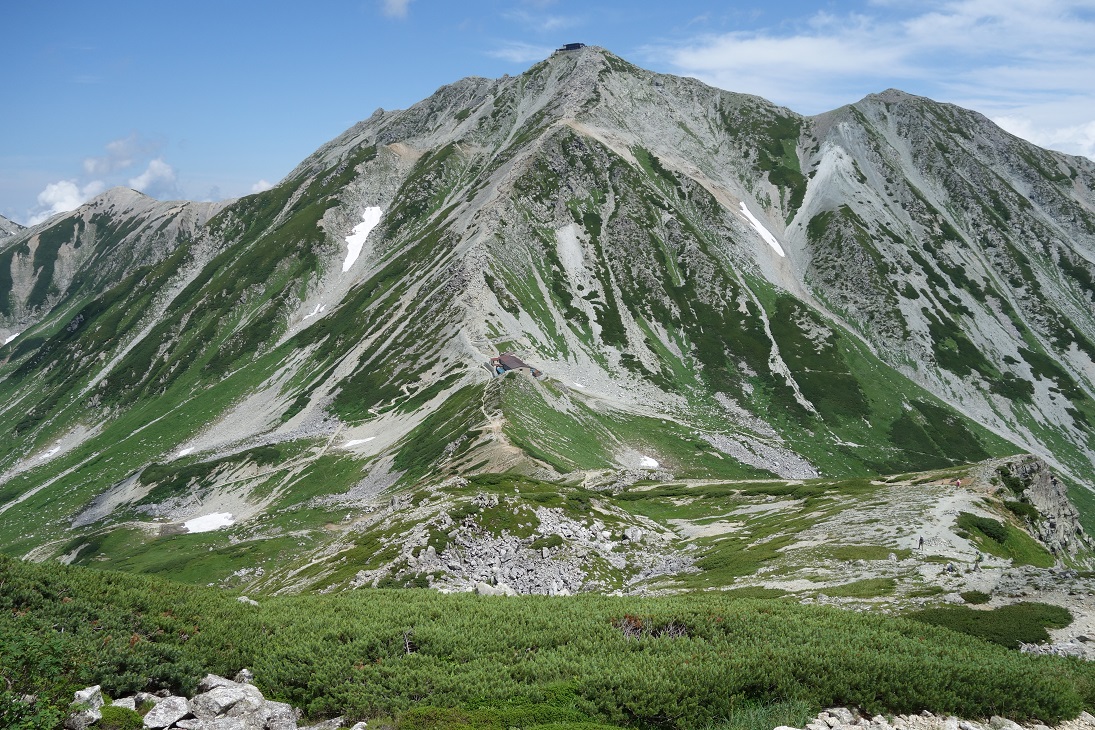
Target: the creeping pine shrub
pixel 1023 510
pixel 975 597
pixel 988 527
pixel 119 718
pixel 1007 626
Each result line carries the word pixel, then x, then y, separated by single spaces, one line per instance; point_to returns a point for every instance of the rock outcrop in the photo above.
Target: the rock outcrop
pixel 1059 528
pixel 221 704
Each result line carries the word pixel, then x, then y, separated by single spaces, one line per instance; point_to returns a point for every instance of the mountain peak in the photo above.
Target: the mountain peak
pixel 8 228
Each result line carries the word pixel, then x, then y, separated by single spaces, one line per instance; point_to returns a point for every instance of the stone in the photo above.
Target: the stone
pixel 212 681
pixel 144 698
pixel 633 534
pixel 484 589
pixel 1002 723
pixel 191 724
pixel 843 714
pixel 281 716
pixel 231 723
pixel 89 701
pixel 334 724
pixel 248 601
pixel 129 703
pixel 169 711
pixel 216 702
pixel 245 676
pixel 251 705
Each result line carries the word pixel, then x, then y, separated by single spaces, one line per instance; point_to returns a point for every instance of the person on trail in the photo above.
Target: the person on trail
pixel 921 545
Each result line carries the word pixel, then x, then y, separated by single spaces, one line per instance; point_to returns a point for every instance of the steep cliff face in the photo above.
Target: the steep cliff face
pixel 715 288
pixel 1055 521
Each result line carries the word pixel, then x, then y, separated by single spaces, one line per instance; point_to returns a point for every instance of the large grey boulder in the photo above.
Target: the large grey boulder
pixel 169 711
pixel 280 716
pixel 89 701
pixel 212 681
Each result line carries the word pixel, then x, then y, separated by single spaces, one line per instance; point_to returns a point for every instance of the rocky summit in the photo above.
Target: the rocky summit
pixel 586 328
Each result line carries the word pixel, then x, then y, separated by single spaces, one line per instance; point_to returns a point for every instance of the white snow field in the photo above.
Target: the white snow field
pixel 764 232
pixel 12 337
pixel 208 523
pixel 648 463
pixel 370 217
pixel 355 442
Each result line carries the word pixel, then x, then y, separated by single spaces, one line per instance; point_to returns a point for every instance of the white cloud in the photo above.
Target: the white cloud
pixel 1005 58
pixel 63 196
pixel 517 52
pixel 260 186
pixel 542 22
pixel 158 180
pixel 1078 139
pixel 120 154
pixel 395 8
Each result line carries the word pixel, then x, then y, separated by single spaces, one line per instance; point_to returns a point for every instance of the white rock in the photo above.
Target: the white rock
pixel 169 711
pixel 89 701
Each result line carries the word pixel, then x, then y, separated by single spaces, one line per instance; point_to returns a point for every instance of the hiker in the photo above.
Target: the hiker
pixel 921 545
pixel 958 482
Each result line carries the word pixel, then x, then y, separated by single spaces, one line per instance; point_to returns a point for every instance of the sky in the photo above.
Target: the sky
pixel 209 100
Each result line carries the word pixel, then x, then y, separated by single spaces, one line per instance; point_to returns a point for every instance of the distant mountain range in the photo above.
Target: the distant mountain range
pixel 714 288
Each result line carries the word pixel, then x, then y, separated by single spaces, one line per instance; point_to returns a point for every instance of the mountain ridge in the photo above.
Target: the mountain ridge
pixel 711 283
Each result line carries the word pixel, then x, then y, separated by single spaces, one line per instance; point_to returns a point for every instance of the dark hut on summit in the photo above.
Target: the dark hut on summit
pixel 508 361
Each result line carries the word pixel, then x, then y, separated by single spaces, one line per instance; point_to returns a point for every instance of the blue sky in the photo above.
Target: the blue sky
pixel 209 100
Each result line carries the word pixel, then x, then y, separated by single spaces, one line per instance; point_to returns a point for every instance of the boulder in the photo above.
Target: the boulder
pixel 169 711
pixel 211 681
pixel 245 676
pixel 334 724
pixel 280 716
pixel 144 698
pixel 232 700
pixel 87 702
pixel 129 703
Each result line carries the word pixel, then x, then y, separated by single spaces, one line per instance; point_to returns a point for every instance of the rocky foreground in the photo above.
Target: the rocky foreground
pixel 221 704
pixel 841 718
pixel 224 704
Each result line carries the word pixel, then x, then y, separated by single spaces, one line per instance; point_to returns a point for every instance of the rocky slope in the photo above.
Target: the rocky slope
pixel 718 290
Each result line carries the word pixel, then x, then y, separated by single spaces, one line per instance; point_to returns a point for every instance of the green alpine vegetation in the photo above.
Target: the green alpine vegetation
pixel 432 660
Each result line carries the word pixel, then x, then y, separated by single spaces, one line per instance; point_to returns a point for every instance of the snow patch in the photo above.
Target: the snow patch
pixel 570 251
pixel 12 337
pixel 764 232
pixel 321 308
pixel 647 463
pixel 355 442
pixel 50 453
pixel 184 452
pixel 370 217
pixel 208 523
